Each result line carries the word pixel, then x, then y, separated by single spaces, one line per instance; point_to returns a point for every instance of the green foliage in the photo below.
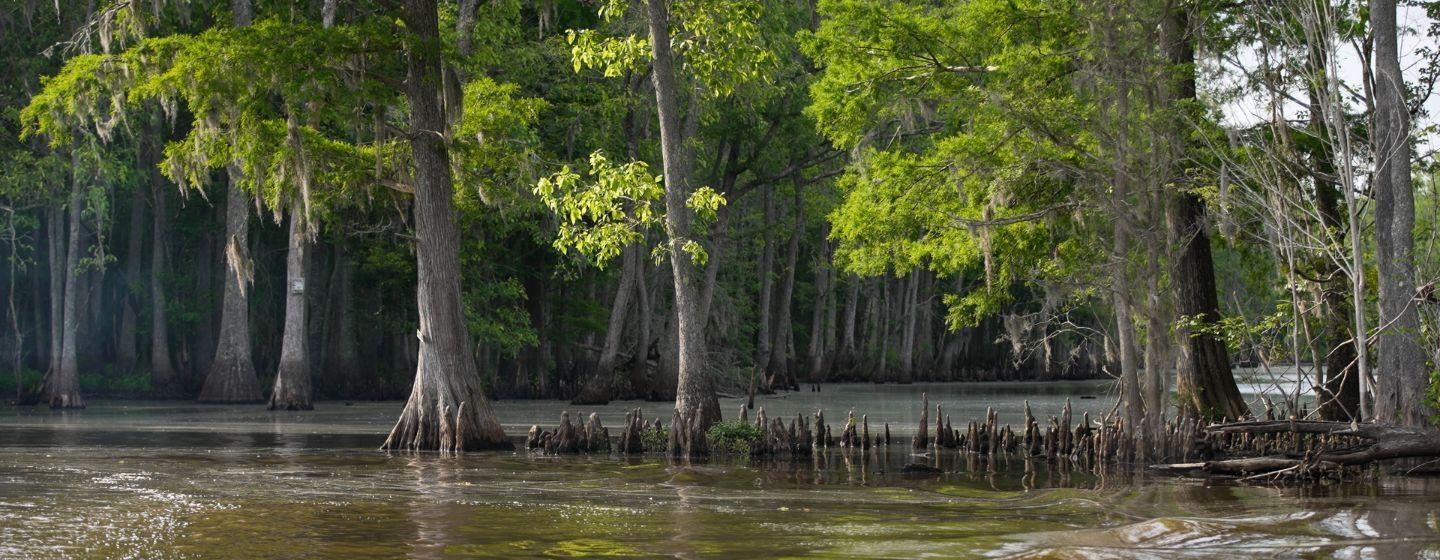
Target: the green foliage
pixel 655 440
pixel 734 437
pixel 721 43
pixel 29 379
pixel 493 144
pixel 495 317
pixel 607 209
pixel 136 383
pixel 612 56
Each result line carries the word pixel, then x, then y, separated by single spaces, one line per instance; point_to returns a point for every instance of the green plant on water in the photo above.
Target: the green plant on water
pixel 734 437
pixel 655 440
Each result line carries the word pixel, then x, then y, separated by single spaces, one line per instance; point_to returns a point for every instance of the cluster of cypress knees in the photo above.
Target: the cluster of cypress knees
pixel 1085 442
pixel 1271 448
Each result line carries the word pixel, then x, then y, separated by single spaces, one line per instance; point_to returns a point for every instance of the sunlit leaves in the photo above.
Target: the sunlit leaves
pixel 604 210
pixel 493 143
pixel 968 139
pixel 705 202
pixel 612 56
pixel 720 42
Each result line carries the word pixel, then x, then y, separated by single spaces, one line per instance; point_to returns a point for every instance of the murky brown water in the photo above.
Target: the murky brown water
pixel 157 480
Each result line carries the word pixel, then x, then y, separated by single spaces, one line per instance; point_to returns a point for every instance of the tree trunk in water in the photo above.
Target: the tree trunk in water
pixel 127 343
pixel 848 346
pixel 640 369
pixel 821 309
pixel 767 266
pixel 1125 331
pixel 907 336
pixel 778 374
pixel 447 410
pixel 1403 380
pixel 162 371
pixel 292 388
pixel 600 387
pixel 1115 116
pixel 62 385
pixel 1157 353
pixel 695 398
pixel 882 330
pixel 56 240
pixel 232 372
pixel 1204 381
pixel 342 360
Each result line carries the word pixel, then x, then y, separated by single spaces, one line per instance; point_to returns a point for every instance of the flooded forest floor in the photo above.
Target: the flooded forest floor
pixel 172 479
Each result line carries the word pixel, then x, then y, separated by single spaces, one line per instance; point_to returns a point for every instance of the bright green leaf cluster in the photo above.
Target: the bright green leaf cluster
pixel 608 208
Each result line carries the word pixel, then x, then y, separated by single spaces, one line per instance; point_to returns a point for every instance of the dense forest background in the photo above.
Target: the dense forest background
pixel 892 192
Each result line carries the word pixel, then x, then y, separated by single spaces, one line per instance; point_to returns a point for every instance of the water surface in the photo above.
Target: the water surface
pixel 174 480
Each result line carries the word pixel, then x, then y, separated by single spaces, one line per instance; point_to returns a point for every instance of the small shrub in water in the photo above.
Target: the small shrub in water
pixel 655 440
pixel 735 437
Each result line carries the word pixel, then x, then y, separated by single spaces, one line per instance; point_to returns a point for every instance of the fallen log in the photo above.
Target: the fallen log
pixel 1364 444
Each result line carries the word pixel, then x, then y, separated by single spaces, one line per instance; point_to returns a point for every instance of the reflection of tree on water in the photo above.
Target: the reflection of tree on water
pixel 686 517
pixel 436 510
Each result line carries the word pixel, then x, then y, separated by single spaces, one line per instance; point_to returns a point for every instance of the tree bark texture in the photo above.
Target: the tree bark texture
pixel 1204 381
pixel 232 373
pixel 62 385
pixel 162 370
pixel 1402 379
pixel 446 411
pixel 695 398
pixel 292 390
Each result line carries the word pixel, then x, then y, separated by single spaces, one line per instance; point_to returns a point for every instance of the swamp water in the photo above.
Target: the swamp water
pixel 127 479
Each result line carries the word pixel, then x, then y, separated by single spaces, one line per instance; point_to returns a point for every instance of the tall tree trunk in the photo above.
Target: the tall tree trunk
pixel 447 410
pixel 832 308
pixel 1158 360
pixel 882 330
pixel 1116 117
pixel 907 342
pixel 55 220
pixel 778 374
pixel 127 343
pixel 820 311
pixel 767 282
pixel 292 390
pixel 341 360
pixel 599 388
pixel 15 332
pixel 232 372
pixel 1204 381
pixel 695 401
pixel 848 346
pixel 1403 380
pixel 62 385
pixel 162 371
pixel 640 368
